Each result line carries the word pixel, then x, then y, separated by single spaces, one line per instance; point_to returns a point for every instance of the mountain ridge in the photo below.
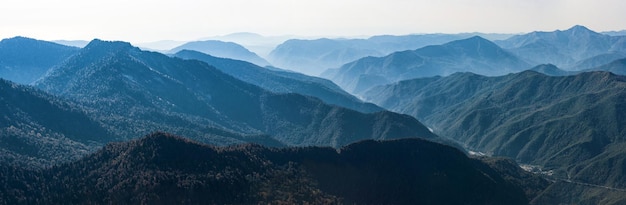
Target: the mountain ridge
pixel 222 49
pixel 156 92
pixel 562 48
pixel 283 82
pixel 172 169
pixel 473 54
pixel 568 124
pixel 24 60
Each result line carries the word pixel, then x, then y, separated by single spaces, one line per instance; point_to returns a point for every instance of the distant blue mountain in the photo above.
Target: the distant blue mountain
pixel 564 49
pixel 312 57
pixel 551 70
pixel 617 67
pixel 24 60
pixel 475 54
pixel 223 50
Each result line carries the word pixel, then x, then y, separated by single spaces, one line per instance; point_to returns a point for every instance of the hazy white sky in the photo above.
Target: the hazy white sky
pixel 152 20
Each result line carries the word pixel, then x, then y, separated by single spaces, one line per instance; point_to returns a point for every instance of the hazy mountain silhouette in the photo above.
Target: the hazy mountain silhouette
pixel 137 92
pixel 259 44
pixel 283 82
pixel 38 129
pixel 163 169
pixel 474 54
pixel 572 124
pixel 551 70
pixel 615 33
pixel 563 48
pixel 598 60
pixel 24 60
pixel 313 57
pixel 223 50
pixel 617 67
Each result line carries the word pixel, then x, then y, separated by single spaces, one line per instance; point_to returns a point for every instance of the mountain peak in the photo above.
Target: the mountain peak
pixel 475 41
pixel 109 45
pixel 579 28
pixel 18 38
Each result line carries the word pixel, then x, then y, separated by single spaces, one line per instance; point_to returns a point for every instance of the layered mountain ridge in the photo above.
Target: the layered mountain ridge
pixel 283 81
pixel 474 54
pixel 566 48
pixel 222 49
pixel 151 91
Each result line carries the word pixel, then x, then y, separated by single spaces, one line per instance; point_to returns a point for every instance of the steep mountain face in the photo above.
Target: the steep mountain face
pixel 474 54
pixel 24 60
pixel 223 50
pixel 562 48
pixel 136 92
pixel 618 67
pixel 283 82
pixel 572 125
pixel 38 130
pixel 164 169
pixel 313 57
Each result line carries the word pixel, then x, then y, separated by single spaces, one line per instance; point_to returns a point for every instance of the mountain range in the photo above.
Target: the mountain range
pixel 135 92
pixel 164 169
pixel 312 57
pixel 554 102
pixel 222 49
pixel 24 60
pixel 283 81
pixel 474 54
pixel 572 125
pixel 567 48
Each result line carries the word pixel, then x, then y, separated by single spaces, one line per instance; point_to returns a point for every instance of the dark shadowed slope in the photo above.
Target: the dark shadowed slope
pixel 162 169
pixel 137 92
pixel 474 54
pixel 37 129
pixel 223 50
pixel 24 60
pixel 573 125
pixel 283 82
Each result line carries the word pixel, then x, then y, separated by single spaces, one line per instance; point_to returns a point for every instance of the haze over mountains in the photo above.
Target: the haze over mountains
pixel 312 57
pixel 222 49
pixel 157 92
pixel 283 81
pixel 552 101
pixel 474 54
pixel 566 48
